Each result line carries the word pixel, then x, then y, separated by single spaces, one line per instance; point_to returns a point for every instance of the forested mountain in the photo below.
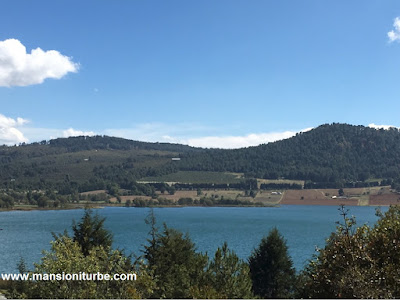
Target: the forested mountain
pixel 80 143
pixel 79 160
pixel 328 153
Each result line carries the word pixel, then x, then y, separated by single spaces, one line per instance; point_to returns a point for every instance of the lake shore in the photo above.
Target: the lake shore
pixel 308 202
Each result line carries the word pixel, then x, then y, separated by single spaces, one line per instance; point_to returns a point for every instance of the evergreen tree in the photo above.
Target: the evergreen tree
pixel 271 268
pixel 90 232
pixel 178 271
pixel 229 275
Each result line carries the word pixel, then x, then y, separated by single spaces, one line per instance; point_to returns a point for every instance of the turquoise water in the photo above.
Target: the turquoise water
pixel 26 233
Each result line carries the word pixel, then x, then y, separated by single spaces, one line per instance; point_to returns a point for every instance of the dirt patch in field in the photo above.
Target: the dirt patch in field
pixel 354 191
pixel 269 197
pixel 385 199
pixel 178 195
pixel 314 197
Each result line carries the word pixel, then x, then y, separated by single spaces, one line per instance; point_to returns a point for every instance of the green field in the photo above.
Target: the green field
pixel 198 177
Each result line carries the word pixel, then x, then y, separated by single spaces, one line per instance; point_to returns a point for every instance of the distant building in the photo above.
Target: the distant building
pixel 176 158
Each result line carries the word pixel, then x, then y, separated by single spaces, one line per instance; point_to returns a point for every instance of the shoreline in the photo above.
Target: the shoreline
pixel 277 205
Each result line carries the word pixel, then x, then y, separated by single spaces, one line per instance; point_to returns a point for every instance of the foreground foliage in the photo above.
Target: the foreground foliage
pixel 359 262
pixel 90 232
pixel 271 268
pixel 89 251
pixel 181 272
pixel 170 267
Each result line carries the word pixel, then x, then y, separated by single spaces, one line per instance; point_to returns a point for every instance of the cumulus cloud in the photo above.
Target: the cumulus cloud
pixel 72 132
pixel 232 142
pixel 36 134
pixel 188 134
pixel 19 68
pixel 9 134
pixel 183 134
pixel 386 127
pixel 394 35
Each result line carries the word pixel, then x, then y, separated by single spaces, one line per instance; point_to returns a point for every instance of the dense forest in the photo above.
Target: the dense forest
pixel 328 153
pixel 331 155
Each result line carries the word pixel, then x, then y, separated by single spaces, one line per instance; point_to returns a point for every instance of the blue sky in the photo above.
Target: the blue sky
pixel 205 73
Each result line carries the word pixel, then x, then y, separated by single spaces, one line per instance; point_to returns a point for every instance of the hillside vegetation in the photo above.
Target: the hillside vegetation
pixel 328 156
pixel 328 153
pixel 81 160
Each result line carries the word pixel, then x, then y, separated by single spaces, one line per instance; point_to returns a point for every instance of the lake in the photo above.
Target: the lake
pixel 26 233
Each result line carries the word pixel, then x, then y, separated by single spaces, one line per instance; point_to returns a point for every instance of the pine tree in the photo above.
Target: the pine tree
pixel 229 275
pixel 90 232
pixel 176 267
pixel 271 268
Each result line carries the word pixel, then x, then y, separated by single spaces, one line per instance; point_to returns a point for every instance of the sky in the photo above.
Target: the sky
pixel 223 73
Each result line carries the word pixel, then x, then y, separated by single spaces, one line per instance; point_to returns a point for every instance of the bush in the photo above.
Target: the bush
pixel 357 263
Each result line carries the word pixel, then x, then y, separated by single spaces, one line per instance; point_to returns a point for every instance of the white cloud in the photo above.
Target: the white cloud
pixel 158 132
pixel 183 134
pixel 19 68
pixel 73 132
pixel 36 134
pixel 394 35
pixel 386 127
pixel 9 134
pixel 188 134
pixel 232 142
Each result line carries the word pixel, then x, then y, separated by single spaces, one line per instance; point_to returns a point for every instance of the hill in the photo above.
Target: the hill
pixel 328 153
pixel 327 156
pixel 86 161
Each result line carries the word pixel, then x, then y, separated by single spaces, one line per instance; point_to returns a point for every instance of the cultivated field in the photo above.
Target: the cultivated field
pixel 352 196
pixel 313 197
pixel 216 194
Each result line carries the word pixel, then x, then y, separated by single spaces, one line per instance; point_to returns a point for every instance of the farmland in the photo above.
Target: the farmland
pixel 376 196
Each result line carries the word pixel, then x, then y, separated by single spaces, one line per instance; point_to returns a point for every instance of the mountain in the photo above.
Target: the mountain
pixel 330 153
pixel 78 160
